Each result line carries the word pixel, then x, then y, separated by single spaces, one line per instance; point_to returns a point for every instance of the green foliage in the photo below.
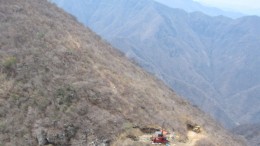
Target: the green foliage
pixel 9 63
pixel 65 95
pixel 15 96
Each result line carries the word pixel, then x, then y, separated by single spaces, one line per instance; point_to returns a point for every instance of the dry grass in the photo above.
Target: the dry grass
pixel 61 84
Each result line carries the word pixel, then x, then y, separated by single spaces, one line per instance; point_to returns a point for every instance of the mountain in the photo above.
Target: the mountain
pixel 213 61
pixel 193 6
pixel 250 131
pixel 63 85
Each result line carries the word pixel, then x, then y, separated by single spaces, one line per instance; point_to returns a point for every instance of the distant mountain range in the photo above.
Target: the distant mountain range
pixel 212 61
pixel 193 6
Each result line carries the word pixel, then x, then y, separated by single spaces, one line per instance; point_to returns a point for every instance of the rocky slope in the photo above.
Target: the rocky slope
pixel 62 85
pixel 213 61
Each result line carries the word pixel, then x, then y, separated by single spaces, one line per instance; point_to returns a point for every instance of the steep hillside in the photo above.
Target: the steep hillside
pixel 251 132
pixel 213 61
pixel 63 85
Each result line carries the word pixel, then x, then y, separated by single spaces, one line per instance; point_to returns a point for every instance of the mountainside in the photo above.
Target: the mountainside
pixel 251 132
pixel 211 60
pixel 193 6
pixel 62 85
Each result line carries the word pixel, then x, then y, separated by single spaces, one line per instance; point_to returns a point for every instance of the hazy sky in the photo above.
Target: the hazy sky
pixel 233 4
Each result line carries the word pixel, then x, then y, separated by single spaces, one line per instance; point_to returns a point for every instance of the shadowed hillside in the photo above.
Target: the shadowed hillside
pixel 63 85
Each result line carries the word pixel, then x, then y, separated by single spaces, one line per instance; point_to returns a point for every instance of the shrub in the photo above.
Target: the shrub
pixel 9 65
pixel 66 95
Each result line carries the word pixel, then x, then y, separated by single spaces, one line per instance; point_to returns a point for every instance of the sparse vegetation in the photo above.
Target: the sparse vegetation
pixel 15 97
pixel 66 95
pixel 9 65
pixel 87 96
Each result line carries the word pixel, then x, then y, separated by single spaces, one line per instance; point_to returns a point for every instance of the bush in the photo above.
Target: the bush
pixel 10 62
pixel 66 95
pixel 9 65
